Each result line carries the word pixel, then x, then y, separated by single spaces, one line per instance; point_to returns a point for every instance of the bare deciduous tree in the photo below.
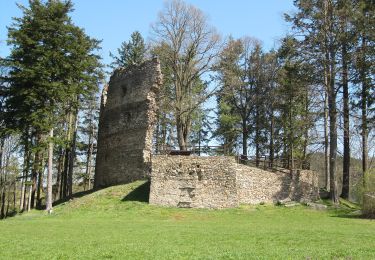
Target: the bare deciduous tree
pixel 190 47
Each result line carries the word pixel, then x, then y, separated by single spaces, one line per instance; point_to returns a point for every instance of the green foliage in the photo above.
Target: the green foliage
pixel 294 98
pixel 239 78
pixel 130 53
pixel 200 127
pixel 364 185
pixel 52 61
pixel 227 131
pixel 104 225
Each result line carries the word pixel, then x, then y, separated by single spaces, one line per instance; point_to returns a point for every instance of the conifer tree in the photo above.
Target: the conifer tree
pixel 52 66
pixel 130 53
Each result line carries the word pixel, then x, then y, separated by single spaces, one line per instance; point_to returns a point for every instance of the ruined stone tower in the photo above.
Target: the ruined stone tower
pixel 127 119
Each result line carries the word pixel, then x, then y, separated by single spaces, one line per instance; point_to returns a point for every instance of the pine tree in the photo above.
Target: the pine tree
pixel 53 65
pixel 364 23
pixel 130 53
pixel 317 24
pixel 294 96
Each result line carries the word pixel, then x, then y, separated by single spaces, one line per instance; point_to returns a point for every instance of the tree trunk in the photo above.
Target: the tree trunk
pixel 14 195
pixel 68 156
pixel 332 131
pixel 346 159
pixel 40 184
pixel 272 148
pixel 244 138
pixel 257 136
pixel 364 97
pixel 29 197
pixel 326 141
pixel 72 155
pixel 66 172
pixel 8 201
pixel 64 176
pixel 326 97
pixel 2 180
pixel 26 167
pixel 182 132
pixel 22 192
pixel 291 136
pixel 304 164
pixel 35 169
pixel 59 181
pixel 49 174
pixel 89 155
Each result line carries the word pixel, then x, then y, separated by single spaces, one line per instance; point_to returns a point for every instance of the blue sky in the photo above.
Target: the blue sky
pixel 113 21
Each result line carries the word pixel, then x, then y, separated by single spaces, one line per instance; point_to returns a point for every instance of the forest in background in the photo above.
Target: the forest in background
pixel 311 100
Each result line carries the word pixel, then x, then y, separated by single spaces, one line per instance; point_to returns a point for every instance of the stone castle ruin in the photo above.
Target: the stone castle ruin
pixel 126 124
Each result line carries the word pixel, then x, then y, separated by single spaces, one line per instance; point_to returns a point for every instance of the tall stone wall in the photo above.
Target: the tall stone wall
pixel 194 182
pixel 219 182
pixel 126 124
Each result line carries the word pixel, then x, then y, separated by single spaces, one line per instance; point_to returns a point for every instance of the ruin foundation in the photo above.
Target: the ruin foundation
pixel 220 182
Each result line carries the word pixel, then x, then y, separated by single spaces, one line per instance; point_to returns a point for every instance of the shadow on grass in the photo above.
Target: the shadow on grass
pixel 353 215
pixel 141 193
pixel 350 214
pixel 58 202
pixel 74 196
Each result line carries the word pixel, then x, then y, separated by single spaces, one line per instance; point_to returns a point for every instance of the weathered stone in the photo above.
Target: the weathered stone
pixel 194 182
pixel 219 182
pixel 126 125
pixel 291 204
pixel 316 206
pixel 256 185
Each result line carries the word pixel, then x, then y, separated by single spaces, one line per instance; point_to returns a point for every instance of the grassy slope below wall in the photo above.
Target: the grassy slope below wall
pixel 110 224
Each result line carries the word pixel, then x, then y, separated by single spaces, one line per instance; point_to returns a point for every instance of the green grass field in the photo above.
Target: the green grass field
pixel 110 224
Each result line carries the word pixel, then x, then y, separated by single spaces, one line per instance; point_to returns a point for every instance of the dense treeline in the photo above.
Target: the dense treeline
pixel 49 88
pixel 314 93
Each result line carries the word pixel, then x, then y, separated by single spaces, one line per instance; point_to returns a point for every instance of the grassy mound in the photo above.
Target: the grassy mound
pixel 117 222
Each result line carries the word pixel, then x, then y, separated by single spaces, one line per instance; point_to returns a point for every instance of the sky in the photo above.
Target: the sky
pixel 113 21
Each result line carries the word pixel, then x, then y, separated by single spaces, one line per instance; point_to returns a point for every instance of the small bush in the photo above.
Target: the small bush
pixel 367 194
pixel 362 187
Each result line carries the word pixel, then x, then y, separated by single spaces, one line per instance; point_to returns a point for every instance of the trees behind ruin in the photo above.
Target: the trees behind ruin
pixel 130 53
pixel 265 100
pixel 187 46
pixel 333 39
pixel 321 72
pixel 314 93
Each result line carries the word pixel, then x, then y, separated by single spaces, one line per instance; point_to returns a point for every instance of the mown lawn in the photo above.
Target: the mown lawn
pixel 104 225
